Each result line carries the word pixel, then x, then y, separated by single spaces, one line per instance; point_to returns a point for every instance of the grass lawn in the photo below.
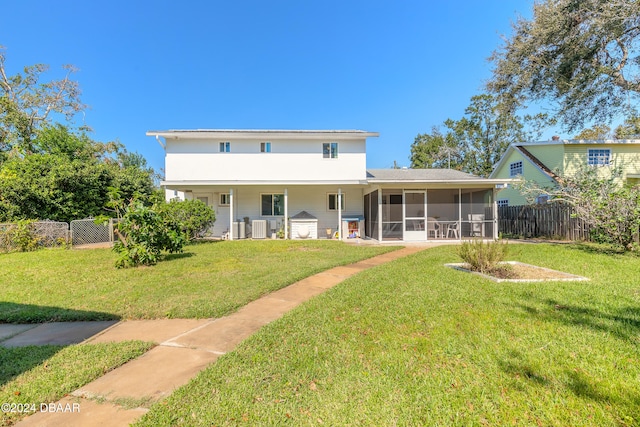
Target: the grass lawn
pixel 34 375
pixel 416 343
pixel 208 280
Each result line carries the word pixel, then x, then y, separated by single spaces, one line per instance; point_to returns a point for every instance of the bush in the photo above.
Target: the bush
pixel 194 216
pixel 483 256
pixel 20 236
pixel 143 233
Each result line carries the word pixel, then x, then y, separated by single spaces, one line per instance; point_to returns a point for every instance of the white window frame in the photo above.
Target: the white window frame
pixel 516 168
pixel 330 150
pixel 225 147
pixel 502 202
pixel 224 199
pixel 335 201
pixel 599 157
pixel 265 147
pixel 272 204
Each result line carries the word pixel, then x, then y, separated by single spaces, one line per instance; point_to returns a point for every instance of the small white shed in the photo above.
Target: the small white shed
pixel 304 226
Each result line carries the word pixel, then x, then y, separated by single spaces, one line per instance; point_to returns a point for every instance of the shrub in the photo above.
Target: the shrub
pixel 482 256
pixel 20 236
pixel 194 216
pixel 143 233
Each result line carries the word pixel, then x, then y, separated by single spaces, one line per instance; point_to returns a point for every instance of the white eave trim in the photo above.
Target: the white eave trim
pixel 238 183
pixel 262 134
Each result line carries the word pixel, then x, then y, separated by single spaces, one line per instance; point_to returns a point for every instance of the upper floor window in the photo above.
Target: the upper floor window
pixel 272 204
pixel 265 147
pixel 330 150
pixel 599 157
pixel 515 168
pixel 224 199
pixel 332 202
pixel 225 147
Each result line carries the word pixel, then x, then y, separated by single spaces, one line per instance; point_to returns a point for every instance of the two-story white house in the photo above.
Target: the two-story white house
pixel 314 184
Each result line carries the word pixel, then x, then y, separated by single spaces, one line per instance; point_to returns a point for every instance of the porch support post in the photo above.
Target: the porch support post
pixel 340 214
pixel 495 213
pixel 231 214
pixel 286 214
pixel 380 214
pixel 459 213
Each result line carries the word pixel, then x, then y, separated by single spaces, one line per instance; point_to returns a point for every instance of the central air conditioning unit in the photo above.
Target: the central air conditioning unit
pixel 259 229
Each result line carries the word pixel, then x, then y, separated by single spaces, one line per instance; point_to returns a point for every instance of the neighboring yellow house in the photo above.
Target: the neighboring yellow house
pixel 543 162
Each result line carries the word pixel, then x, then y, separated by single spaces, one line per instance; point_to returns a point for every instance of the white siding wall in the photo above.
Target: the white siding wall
pixel 312 199
pixel 289 160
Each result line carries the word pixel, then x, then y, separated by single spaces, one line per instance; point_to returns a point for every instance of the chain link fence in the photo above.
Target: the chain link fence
pixel 86 231
pixel 29 235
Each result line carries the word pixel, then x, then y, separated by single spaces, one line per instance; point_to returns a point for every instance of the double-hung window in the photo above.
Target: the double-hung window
pixel 515 168
pixel 225 147
pixel 502 202
pixel 265 147
pixel 332 202
pixel 330 150
pixel 599 157
pixel 272 204
pixel 224 199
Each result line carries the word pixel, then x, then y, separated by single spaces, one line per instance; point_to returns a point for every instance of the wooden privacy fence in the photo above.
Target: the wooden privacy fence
pixel 553 221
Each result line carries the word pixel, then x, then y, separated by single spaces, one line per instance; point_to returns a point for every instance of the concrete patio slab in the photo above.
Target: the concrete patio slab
pixel 58 333
pixel 147 330
pixel 83 413
pixel 154 375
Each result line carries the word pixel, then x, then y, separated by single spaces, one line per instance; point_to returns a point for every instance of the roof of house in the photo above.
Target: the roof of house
pixel 424 175
pixel 260 133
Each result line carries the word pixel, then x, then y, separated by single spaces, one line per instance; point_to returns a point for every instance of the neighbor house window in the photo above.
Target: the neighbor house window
pixel 599 157
pixel 502 202
pixel 225 147
pixel 265 147
pixel 515 168
pixel 332 201
pixel 330 150
pixel 272 204
pixel 224 199
pixel 542 199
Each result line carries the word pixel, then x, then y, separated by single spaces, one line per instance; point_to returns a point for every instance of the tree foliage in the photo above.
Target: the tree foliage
pixel 476 142
pixel 68 176
pixel 581 53
pixel 613 210
pixel 27 104
pixel 144 232
pixel 194 216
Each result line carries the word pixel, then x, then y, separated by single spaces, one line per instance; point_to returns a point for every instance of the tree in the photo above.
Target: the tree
pixel 595 132
pixel 629 129
pixel 435 150
pixel 194 216
pixel 144 232
pixel 477 141
pixel 68 176
pixel 611 209
pixel 26 104
pixel 583 54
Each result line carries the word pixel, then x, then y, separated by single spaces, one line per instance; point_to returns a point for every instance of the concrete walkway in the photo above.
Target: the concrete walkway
pixel 186 347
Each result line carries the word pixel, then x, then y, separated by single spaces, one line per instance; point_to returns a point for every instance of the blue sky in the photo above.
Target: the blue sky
pixel 393 67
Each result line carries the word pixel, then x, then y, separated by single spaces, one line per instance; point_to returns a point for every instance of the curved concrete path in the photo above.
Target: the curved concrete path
pixel 186 347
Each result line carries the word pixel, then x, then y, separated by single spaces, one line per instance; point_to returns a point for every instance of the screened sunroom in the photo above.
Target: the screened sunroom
pixel 429 204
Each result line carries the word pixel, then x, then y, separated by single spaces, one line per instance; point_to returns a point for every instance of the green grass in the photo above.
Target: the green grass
pixel 208 280
pixel 43 374
pixel 416 343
